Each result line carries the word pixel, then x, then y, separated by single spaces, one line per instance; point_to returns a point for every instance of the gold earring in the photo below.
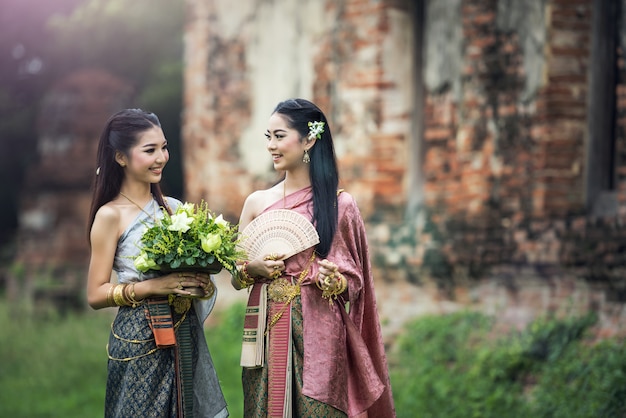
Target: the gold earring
pixel 306 159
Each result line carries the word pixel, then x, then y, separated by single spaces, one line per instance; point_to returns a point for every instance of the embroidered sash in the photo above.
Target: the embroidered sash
pixel 160 318
pixel 282 291
pixel 252 347
pixel 279 362
pixel 184 366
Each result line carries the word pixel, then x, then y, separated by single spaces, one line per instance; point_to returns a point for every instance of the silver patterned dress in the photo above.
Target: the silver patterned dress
pixel 146 381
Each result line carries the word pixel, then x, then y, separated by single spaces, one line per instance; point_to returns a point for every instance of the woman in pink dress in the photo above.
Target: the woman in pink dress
pixel 318 349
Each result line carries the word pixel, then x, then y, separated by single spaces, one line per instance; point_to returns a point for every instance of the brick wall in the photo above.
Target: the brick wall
pixel 504 139
pixel 350 82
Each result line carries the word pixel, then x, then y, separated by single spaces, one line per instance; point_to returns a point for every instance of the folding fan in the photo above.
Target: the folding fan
pixel 280 231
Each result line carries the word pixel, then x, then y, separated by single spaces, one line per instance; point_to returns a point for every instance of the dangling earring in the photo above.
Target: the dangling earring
pixel 306 159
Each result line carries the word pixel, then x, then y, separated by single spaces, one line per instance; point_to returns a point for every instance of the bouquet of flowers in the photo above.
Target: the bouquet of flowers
pixel 192 238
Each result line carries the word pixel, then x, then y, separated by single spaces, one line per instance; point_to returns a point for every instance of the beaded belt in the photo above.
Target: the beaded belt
pixel 282 290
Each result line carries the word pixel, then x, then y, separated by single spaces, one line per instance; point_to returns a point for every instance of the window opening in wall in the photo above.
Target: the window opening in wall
pixel 601 196
pixel 415 198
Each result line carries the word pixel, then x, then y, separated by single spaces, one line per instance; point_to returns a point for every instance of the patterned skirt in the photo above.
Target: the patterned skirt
pixel 255 381
pixel 143 380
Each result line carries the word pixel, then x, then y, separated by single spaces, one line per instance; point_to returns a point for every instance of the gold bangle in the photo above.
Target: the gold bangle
pixel 118 295
pixel 243 277
pixel 124 297
pixel 244 270
pixel 110 301
pixel 131 296
pixel 331 288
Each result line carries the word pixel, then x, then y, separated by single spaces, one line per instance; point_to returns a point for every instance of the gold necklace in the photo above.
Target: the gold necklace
pixel 140 208
pixel 285 195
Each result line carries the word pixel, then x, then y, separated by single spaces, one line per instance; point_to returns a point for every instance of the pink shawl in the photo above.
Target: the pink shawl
pixel 344 357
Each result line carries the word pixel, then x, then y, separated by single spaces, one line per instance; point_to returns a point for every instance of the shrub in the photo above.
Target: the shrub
pixel 448 366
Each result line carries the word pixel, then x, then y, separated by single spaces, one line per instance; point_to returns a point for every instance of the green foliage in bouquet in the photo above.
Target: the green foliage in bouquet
pixel 192 237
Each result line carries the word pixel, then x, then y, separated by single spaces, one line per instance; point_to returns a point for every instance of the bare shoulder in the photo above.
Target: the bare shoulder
pixel 107 215
pixel 256 202
pixel 106 221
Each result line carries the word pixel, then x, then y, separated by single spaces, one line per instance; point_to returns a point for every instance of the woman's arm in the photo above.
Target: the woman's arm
pixel 103 237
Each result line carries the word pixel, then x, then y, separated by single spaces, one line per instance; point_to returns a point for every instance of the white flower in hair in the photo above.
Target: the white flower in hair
pixel 316 129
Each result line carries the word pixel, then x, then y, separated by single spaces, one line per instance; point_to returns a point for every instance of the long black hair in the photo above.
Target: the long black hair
pixel 121 133
pixel 322 167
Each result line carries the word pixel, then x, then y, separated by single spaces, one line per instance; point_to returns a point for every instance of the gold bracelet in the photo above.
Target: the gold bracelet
pixel 243 277
pixel 118 295
pixel 332 288
pixel 110 301
pixel 130 296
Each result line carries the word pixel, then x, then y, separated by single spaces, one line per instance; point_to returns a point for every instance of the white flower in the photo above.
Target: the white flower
pixel 220 221
pixel 316 129
pixel 180 222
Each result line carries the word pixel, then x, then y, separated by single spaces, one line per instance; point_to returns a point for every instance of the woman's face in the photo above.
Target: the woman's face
pixel 284 144
pixel 148 156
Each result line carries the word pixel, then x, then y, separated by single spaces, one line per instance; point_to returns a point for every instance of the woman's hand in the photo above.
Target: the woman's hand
pixel 176 283
pixel 271 266
pixel 327 271
pixel 330 281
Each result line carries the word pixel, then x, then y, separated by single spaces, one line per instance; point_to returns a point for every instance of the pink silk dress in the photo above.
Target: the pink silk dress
pixel 345 365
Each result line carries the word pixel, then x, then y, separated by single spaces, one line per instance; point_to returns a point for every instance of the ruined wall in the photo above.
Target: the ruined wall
pixel 505 225
pixel 502 222
pixel 348 56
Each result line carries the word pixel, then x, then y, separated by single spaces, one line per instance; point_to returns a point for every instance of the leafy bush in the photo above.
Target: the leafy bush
pixel 586 381
pixel 452 366
pixel 440 370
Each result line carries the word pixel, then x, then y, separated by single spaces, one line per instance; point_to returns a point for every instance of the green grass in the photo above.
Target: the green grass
pixel 442 366
pixel 54 367
pixel 224 340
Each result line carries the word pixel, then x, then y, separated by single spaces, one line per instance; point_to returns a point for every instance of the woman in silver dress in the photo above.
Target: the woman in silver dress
pixel 159 363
